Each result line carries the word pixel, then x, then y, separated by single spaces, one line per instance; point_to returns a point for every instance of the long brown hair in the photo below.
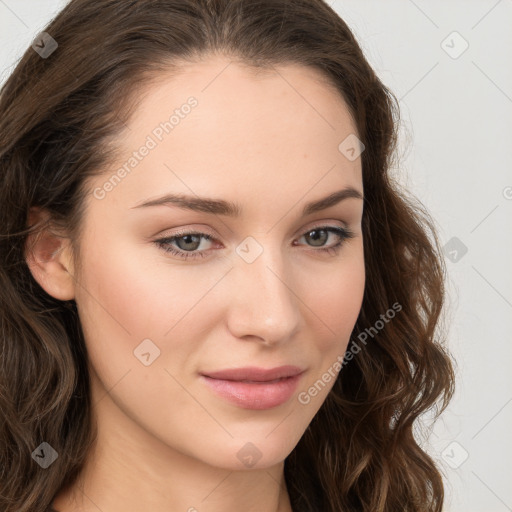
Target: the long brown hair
pixel 58 115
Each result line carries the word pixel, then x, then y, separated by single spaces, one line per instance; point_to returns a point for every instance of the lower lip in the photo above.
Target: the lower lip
pixel 254 395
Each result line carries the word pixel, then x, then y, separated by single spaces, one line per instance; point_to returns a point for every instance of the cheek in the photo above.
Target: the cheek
pixel 124 286
pixel 336 308
pixel 130 294
pixel 334 298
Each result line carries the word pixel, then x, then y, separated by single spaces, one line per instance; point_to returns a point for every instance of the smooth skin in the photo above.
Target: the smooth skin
pixel 268 142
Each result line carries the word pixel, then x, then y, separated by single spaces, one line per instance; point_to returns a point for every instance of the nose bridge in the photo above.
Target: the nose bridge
pixel 264 304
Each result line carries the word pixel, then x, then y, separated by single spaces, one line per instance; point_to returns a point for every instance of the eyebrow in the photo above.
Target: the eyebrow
pixel 222 207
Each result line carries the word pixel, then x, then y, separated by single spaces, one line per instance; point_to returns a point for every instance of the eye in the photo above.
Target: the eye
pixel 189 242
pixel 320 234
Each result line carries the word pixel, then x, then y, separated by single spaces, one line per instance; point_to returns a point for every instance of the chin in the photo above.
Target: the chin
pixel 250 453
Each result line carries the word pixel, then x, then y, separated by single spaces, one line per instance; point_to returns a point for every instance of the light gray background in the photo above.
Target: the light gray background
pixel 456 157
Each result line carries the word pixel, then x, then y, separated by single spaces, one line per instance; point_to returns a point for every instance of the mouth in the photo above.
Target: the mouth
pixel 254 388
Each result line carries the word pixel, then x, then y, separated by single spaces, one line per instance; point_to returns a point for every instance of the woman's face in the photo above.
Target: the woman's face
pixel 261 287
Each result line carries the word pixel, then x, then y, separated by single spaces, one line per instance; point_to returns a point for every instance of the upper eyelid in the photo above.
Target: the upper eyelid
pixel 202 231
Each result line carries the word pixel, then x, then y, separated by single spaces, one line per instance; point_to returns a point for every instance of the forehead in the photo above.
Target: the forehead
pixel 216 125
pixel 232 91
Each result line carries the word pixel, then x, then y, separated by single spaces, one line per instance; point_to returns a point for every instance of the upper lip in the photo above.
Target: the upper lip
pixel 254 373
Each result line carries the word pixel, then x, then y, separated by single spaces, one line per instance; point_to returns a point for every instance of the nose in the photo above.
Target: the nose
pixel 263 304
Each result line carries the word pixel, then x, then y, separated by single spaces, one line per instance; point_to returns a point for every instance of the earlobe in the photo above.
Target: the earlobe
pixel 48 256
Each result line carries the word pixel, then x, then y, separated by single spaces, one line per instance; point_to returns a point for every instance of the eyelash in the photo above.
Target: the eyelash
pixel 164 243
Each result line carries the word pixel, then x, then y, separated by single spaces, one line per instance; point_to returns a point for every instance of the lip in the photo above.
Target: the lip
pixel 253 387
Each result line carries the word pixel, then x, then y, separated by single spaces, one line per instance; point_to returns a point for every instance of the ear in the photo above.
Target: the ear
pixel 49 257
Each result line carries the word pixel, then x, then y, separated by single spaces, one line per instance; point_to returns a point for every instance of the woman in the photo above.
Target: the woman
pixel 280 361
